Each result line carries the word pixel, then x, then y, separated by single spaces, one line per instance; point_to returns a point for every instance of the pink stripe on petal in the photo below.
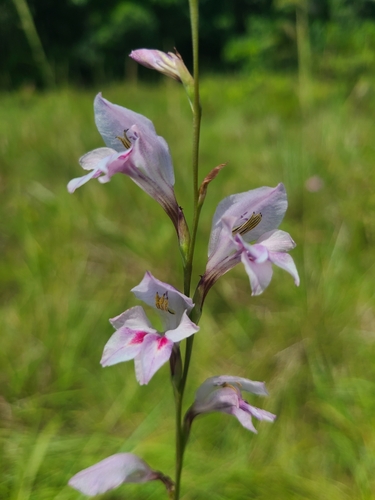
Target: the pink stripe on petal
pixel 124 345
pixel 162 342
pixel 138 338
pixel 156 351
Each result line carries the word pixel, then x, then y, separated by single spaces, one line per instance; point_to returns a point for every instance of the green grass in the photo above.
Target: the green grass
pixel 69 261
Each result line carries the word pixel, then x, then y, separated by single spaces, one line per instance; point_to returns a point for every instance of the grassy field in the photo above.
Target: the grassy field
pixel 69 261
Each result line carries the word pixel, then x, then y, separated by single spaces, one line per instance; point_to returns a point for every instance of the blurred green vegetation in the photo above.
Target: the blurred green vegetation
pixel 69 261
pixel 87 41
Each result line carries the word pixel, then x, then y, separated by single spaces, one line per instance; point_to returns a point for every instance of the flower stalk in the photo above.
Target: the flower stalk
pixel 197 113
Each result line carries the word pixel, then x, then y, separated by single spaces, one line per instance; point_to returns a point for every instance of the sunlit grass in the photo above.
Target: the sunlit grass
pixel 69 261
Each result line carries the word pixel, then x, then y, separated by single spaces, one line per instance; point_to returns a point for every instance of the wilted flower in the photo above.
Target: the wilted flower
pixel 247 217
pixel 113 471
pixel 134 149
pixel 136 339
pixel 223 394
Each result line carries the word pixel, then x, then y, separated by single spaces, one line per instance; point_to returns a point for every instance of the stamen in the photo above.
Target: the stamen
pixel 235 389
pixel 161 302
pixel 124 140
pixel 248 225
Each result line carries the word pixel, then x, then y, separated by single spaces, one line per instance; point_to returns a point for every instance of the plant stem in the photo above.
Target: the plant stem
pixel 180 388
pixel 179 443
pixel 197 112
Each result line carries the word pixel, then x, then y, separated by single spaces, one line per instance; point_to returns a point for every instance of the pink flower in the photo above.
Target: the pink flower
pixel 247 217
pixel 136 339
pixel 110 473
pixel 114 471
pixel 223 394
pixel 168 63
pixel 134 149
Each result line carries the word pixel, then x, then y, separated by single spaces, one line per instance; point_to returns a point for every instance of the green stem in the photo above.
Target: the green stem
pixel 179 444
pixel 197 113
pixel 180 388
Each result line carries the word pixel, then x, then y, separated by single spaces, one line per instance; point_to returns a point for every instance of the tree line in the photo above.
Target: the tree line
pixel 46 42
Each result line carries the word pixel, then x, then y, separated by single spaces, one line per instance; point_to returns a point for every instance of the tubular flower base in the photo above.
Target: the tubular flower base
pixel 134 149
pixel 243 218
pixel 114 471
pixel 223 394
pixel 136 339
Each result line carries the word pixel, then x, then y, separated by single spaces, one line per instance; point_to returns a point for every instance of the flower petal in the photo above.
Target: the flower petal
pixel 134 318
pixel 92 159
pixel 277 241
pixel 184 329
pixel 112 120
pixel 244 384
pixel 158 60
pixel 218 400
pixel 110 473
pixel 259 274
pixel 286 262
pixel 243 417
pixel 173 304
pixel 79 181
pixel 151 153
pixel 156 350
pixel 257 412
pixel 270 202
pixel 124 344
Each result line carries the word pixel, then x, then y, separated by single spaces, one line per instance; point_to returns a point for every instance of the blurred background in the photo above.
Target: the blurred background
pixel 288 95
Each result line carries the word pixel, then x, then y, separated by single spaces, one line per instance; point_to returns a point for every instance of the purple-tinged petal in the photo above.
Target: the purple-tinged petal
pixel 110 473
pixel 286 262
pixel 158 60
pixel 259 274
pixel 270 202
pixel 79 181
pixel 169 64
pixel 185 329
pixel 134 318
pixel 256 253
pixel 112 120
pixel 241 383
pixel 170 303
pixel 277 241
pixel 257 412
pixel 92 159
pixel 223 394
pixel 243 417
pixel 156 350
pixel 151 153
pixel 97 161
pixel 124 345
pixel 134 149
pixel 217 400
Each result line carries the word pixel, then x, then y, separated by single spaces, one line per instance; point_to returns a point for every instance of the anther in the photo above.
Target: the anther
pixel 124 140
pixel 248 225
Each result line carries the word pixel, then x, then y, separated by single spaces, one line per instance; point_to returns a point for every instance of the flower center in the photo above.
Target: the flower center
pixel 248 225
pixel 124 140
pixel 162 301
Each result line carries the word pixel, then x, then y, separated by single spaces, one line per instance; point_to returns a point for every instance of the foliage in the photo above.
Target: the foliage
pixel 87 41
